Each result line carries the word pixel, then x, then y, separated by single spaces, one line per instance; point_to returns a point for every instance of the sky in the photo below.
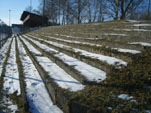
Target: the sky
pixel 17 7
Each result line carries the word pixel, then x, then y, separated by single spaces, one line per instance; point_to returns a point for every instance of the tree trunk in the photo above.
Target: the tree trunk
pixel 117 9
pixel 124 9
pixel 149 3
pixel 79 11
pixel 89 11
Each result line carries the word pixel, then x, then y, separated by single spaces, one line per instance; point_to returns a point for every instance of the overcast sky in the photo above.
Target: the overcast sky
pixel 16 7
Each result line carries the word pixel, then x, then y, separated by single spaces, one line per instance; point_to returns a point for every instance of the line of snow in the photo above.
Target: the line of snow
pixel 132 21
pixel 59 76
pixel 3 52
pixel 34 50
pixel 37 95
pixel 118 49
pixel 70 41
pixel 108 59
pixel 63 79
pixel 98 45
pixel 115 34
pixel 142 25
pixel 90 72
pixel 63 35
pixel 141 43
pixel 127 50
pixel 133 30
pixel 11 79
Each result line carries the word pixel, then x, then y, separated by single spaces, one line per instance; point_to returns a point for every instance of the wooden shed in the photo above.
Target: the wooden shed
pixel 33 20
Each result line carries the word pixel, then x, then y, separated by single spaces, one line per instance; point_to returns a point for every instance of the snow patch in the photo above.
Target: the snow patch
pixel 11 108
pixel 3 52
pixel 142 25
pixel 127 50
pixel 141 43
pixel 115 34
pixel 11 79
pixel 36 92
pixel 91 73
pixel 144 30
pixel 108 59
pixel 59 75
pixel 125 97
pixel 55 72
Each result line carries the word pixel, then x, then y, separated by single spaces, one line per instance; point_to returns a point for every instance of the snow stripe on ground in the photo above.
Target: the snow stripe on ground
pixel 63 79
pixel 90 72
pixel 115 34
pixel 108 59
pixel 127 51
pixel 36 93
pixel 141 43
pixel 139 30
pixel 142 24
pixel 3 52
pixel 11 107
pixel 98 45
pixel 118 49
pixel 11 79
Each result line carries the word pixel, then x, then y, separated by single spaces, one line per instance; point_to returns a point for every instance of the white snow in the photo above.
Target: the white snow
pixel 3 51
pixel 144 30
pixel 98 45
pixel 125 97
pixel 147 111
pixel 127 50
pixel 132 21
pixel 59 76
pixel 13 108
pixel 9 104
pixel 68 36
pixel 33 50
pixel 115 34
pixel 142 24
pixel 37 95
pixel 11 79
pixel 141 43
pixel 108 59
pixel 91 73
pixel 70 41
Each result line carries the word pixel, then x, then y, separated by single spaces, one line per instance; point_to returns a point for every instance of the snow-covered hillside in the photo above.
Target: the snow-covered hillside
pixel 57 69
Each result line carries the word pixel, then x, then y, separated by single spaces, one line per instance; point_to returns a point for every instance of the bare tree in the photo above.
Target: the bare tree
pixel 29 9
pixel 79 9
pixel 149 6
pixel 128 6
pixel 101 10
pixel 89 10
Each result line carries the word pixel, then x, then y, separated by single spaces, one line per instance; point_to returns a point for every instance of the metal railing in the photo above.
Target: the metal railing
pixel 5 33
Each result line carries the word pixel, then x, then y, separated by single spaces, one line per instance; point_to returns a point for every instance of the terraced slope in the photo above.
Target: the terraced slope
pixel 87 68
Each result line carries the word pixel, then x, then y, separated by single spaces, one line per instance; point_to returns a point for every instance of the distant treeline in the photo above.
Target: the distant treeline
pixel 81 11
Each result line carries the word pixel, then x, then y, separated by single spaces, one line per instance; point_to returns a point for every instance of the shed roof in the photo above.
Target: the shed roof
pixel 26 13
